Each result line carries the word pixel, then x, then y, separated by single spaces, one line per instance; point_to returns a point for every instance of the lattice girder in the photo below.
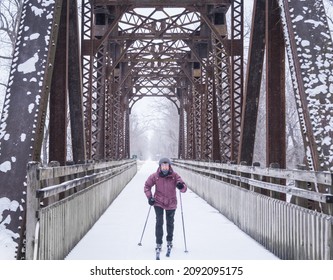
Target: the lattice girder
pixel 155 46
pixel 310 58
pixel 129 54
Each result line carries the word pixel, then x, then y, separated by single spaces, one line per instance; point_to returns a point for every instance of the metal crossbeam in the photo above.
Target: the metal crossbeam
pixel 181 50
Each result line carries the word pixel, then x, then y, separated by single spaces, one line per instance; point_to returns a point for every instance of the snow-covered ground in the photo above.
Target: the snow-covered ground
pixel 214 246
pixel 209 235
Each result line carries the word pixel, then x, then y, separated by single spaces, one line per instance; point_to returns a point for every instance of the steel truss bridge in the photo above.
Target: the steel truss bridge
pixel 88 67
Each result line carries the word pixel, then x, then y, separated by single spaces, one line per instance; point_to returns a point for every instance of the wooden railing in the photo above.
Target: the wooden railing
pixel 63 203
pixel 250 197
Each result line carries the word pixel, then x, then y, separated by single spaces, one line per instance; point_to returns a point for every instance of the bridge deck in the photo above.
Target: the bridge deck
pixel 209 235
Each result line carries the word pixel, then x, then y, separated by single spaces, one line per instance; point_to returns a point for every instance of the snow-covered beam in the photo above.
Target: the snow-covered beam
pixel 22 120
pixel 310 53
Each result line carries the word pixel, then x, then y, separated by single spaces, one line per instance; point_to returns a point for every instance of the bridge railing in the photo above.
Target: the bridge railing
pixel 64 202
pixel 245 195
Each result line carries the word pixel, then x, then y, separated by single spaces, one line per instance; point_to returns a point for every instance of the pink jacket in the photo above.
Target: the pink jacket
pixel 165 189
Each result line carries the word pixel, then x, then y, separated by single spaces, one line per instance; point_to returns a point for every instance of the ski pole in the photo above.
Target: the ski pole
pixel 140 244
pixel 181 207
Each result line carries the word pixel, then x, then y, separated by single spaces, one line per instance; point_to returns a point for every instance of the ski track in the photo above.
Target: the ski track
pixel 209 235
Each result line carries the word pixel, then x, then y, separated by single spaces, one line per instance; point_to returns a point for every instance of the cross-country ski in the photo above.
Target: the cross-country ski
pixel 115 236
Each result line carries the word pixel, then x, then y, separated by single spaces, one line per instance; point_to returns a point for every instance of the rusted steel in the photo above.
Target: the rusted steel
pixel 190 151
pixel 222 87
pixel 165 66
pixel 58 94
pixel 23 116
pixel 87 71
pixel 181 132
pixel 186 56
pixel 197 100
pixel 207 137
pixel 228 72
pixel 98 103
pixel 252 83
pixel 159 3
pixel 275 93
pixel 237 77
pixel 75 95
pixel 216 140
pixel 309 48
pixel 275 87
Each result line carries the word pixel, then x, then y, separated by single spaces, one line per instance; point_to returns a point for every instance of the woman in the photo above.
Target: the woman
pixel 165 181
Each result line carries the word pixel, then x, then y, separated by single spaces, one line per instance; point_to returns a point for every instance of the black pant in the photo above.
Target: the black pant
pixel 170 215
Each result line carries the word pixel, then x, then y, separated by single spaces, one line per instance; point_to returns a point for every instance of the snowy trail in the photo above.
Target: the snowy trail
pixel 209 235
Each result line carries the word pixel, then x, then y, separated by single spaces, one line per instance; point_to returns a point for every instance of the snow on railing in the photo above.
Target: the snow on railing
pixel 248 196
pixel 63 202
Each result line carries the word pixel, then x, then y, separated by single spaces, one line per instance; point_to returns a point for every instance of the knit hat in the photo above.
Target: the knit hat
pixel 164 160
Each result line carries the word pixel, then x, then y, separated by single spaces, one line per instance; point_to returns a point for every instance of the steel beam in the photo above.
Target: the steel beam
pixel 310 48
pixel 275 87
pixel 162 3
pixel 24 113
pixel 75 87
pixel 253 82
pixel 58 94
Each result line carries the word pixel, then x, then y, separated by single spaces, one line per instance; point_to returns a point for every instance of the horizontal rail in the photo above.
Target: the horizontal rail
pixel 319 197
pixel 222 170
pixel 287 230
pixel 68 185
pixel 47 172
pixel 63 203
pixel 319 177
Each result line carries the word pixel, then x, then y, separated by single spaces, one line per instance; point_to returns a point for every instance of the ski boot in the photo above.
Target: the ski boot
pixel 169 247
pixel 158 250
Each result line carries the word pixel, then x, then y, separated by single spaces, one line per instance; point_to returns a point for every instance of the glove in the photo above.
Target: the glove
pixel 180 185
pixel 151 201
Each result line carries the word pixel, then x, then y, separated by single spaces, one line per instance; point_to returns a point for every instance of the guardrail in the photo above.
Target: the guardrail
pixel 246 195
pixel 63 203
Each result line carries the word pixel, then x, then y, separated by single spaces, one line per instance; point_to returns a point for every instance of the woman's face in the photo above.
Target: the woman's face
pixel 165 166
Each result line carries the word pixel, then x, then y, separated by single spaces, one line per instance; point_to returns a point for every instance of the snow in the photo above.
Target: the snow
pixel 209 235
pixel 38 12
pixel 26 84
pixel 23 137
pixel 29 66
pixel 315 58
pixel 7 244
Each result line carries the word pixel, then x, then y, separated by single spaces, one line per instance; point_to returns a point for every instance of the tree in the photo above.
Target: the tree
pixel 165 128
pixel 9 22
pixel 154 128
pixel 138 136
